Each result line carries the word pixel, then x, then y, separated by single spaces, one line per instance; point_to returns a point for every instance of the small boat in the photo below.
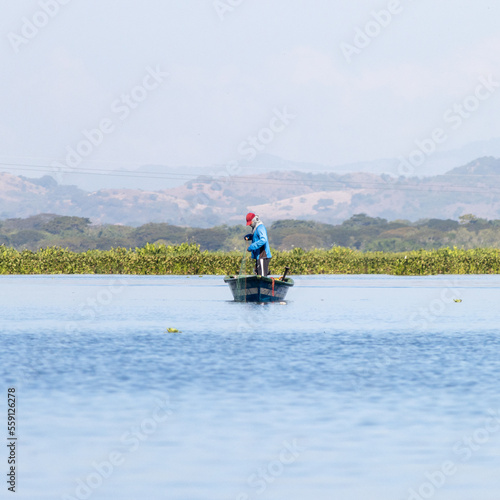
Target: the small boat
pixel 254 288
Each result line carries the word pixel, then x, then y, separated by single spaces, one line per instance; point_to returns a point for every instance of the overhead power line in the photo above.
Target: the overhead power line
pixel 241 179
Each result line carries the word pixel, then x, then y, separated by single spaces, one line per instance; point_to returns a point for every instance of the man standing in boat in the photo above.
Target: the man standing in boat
pixel 259 248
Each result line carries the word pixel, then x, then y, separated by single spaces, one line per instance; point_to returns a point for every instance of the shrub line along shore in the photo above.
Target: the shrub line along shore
pixel 187 259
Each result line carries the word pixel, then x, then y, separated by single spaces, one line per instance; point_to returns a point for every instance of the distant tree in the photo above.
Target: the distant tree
pixel 291 224
pixel 65 223
pixel 364 220
pixel 467 219
pixel 473 223
pixel 442 225
pixel 149 233
pixel 26 237
pixel 305 241
pixel 33 222
pixel 107 242
pixel 209 239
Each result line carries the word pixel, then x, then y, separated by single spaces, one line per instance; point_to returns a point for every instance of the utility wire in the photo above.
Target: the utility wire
pixel 240 179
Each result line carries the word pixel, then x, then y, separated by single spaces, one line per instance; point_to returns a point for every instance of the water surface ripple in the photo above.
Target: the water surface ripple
pixel 357 387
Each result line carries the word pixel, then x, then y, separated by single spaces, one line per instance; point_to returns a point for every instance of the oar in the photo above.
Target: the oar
pixel 282 278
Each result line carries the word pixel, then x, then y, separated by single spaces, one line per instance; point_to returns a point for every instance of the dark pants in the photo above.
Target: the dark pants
pixel 262 266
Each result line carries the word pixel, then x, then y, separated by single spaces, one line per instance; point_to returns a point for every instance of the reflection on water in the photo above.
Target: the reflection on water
pixel 359 387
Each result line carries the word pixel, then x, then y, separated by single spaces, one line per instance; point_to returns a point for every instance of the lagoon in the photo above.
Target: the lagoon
pixel 365 386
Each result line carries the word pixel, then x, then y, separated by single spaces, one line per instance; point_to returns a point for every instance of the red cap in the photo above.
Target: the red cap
pixel 250 217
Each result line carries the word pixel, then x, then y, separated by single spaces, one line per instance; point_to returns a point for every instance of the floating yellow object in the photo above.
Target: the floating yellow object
pixel 173 330
pixel 457 300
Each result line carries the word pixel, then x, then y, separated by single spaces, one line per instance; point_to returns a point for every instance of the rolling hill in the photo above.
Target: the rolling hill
pixel 209 201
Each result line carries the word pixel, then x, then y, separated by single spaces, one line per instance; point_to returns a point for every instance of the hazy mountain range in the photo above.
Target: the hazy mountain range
pixel 227 195
pixel 159 177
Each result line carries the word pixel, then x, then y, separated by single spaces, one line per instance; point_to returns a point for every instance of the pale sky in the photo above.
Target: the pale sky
pixel 292 73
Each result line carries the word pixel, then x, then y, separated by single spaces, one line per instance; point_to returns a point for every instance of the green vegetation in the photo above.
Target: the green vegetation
pixel 51 244
pixel 78 234
pixel 189 259
pixel 360 232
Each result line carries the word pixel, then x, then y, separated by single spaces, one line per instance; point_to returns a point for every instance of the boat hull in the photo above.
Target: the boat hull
pixel 252 288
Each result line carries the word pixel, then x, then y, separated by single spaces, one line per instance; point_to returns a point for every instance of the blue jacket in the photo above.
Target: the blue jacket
pixel 260 244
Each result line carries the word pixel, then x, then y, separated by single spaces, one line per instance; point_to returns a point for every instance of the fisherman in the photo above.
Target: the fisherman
pixel 259 248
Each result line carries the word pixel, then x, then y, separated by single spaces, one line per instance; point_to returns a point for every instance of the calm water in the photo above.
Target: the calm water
pixel 361 387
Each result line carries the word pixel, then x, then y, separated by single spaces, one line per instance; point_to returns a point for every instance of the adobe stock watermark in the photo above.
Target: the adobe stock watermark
pixel 93 306
pixel 266 475
pixel 364 36
pixel 130 441
pixel 431 313
pixel 464 449
pixel 121 108
pixel 223 7
pixel 454 117
pixel 258 142
pixel 32 26
pixel 250 147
